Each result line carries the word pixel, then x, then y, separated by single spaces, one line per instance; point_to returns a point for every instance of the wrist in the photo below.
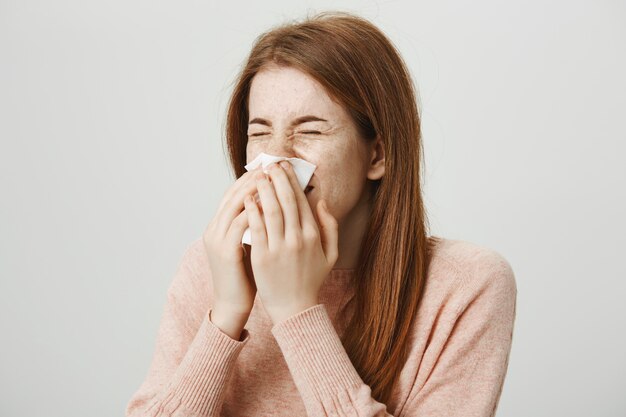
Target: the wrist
pixel 230 324
pixel 281 313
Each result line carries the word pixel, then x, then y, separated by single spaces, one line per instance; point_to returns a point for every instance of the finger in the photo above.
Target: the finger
pixel 272 213
pixel 248 265
pixel 305 214
pixel 236 187
pixel 286 199
pixel 257 226
pixel 237 229
pixel 232 207
pixel 329 232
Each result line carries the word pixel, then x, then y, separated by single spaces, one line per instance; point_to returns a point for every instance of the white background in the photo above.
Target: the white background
pixel 112 162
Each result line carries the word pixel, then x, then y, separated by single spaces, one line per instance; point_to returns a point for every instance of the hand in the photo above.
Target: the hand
pixel 290 257
pixel 234 288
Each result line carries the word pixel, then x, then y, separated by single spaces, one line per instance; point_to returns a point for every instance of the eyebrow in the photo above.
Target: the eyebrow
pixel 295 122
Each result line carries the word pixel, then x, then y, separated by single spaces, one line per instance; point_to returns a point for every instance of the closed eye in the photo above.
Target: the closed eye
pixel 304 132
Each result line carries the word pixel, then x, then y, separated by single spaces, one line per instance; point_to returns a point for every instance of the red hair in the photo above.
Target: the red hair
pixel 360 67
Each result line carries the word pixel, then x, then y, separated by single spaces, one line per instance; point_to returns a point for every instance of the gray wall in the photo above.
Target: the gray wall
pixel 111 162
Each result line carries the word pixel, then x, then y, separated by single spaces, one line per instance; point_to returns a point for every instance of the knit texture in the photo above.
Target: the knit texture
pixel 459 348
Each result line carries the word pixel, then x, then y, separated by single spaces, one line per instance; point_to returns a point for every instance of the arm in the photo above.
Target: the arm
pixel 321 369
pixel 468 376
pixel 469 371
pixel 193 358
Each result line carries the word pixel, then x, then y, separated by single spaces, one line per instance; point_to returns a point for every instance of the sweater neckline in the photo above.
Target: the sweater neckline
pixel 339 273
pixel 336 289
pixel 338 279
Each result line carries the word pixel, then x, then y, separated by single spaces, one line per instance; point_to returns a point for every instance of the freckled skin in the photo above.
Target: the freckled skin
pixel 343 158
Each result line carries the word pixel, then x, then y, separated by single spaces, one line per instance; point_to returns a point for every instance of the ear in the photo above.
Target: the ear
pixel 376 168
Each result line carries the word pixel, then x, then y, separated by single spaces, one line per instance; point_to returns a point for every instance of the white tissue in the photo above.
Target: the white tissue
pixel 303 169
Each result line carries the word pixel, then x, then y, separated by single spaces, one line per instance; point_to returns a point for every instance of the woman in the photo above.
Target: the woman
pixel 343 305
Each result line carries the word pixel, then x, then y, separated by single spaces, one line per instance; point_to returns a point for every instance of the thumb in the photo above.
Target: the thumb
pixel 329 232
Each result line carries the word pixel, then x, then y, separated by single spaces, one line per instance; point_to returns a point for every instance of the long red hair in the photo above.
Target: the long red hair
pixel 360 67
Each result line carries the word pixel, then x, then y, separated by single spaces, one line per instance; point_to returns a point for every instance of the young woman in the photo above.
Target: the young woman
pixel 343 305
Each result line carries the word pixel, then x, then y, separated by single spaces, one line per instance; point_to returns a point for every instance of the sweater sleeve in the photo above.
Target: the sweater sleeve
pixel 321 368
pixel 469 372
pixel 193 358
pixel 466 381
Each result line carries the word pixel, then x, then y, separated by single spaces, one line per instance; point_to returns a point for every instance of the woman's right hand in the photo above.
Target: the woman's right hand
pixel 234 288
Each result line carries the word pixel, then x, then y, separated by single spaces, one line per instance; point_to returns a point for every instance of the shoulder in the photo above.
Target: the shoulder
pixel 468 270
pixel 192 279
pixel 195 253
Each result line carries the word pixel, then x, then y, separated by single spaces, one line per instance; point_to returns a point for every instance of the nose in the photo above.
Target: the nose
pixel 280 145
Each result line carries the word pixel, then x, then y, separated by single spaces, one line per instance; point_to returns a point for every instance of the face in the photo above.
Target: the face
pixel 279 97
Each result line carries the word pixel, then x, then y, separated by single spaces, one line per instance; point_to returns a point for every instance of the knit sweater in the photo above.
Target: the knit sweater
pixel 456 365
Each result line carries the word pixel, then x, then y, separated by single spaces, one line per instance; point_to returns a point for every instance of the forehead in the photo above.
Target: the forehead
pixel 279 92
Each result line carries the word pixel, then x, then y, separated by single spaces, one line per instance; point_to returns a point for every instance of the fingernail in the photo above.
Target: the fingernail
pixel 285 164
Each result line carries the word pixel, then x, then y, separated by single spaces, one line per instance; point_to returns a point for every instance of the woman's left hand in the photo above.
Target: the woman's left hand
pixel 290 255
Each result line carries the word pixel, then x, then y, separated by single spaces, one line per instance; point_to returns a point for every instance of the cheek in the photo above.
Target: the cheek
pixel 341 187
pixel 252 151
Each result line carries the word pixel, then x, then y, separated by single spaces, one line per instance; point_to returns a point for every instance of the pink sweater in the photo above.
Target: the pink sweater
pixel 459 348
